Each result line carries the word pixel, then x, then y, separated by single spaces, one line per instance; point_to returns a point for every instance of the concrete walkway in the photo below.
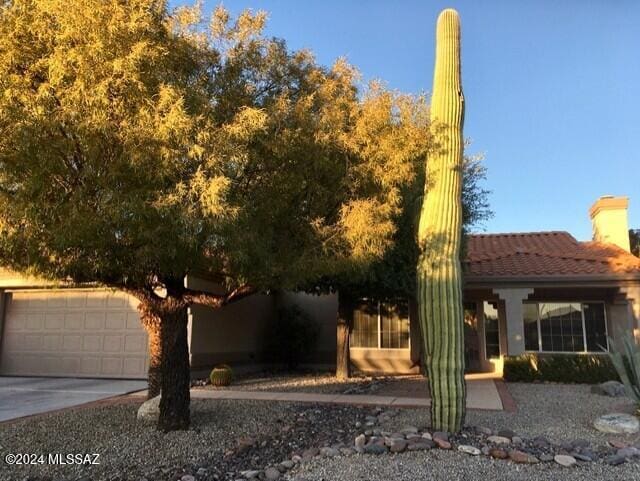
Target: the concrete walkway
pixel 481 394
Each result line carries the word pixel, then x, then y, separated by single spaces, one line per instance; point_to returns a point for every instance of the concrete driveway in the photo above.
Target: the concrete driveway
pixel 24 396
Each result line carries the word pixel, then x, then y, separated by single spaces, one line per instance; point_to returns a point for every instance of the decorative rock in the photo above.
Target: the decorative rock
pixel 409 430
pixel 498 453
pixel 329 452
pixel 421 445
pixel 310 453
pixel 441 443
pixel 522 458
pixel 545 458
pixel 187 477
pixel 288 464
pixel 583 457
pixel 472 450
pixel 375 449
pixel 609 388
pixel 360 441
pixel 615 460
pixel 516 440
pixel 485 450
pixel 506 433
pixel 499 440
pixel 483 430
pixel 617 423
pixel 149 411
pixel 426 435
pixel 580 443
pixel 398 445
pixel 564 460
pixel 413 436
pixel 541 442
pixel 629 452
pixel 440 435
pixel 389 441
pixel 617 444
pixel 201 471
pixel 250 474
pixel 296 459
pixel 271 474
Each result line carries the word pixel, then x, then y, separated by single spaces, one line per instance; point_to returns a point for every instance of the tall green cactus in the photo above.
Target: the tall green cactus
pixel 439 236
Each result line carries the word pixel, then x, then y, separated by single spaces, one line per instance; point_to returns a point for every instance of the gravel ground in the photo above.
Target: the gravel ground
pixel 231 436
pixel 437 465
pixel 561 412
pixel 323 382
pixel 226 437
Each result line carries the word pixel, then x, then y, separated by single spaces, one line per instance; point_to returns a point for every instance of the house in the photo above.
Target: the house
pixel 524 292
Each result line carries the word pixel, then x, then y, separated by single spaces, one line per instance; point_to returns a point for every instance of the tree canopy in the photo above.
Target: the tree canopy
pixel 139 145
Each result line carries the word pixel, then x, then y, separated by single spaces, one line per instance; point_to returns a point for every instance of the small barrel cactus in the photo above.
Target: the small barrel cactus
pixel 221 375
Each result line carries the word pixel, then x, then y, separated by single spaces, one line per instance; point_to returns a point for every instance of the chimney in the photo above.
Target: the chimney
pixel 609 220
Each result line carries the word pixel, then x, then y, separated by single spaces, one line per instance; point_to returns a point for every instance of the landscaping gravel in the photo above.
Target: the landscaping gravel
pixel 561 412
pixel 436 465
pixel 226 437
pixel 323 382
pixel 263 440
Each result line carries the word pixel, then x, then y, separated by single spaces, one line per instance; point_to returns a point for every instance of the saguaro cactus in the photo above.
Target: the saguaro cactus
pixel 439 236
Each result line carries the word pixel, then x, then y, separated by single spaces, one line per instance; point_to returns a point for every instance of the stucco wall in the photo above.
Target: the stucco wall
pixel 232 334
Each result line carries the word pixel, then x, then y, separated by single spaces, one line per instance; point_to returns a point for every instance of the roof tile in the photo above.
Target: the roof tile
pixel 544 254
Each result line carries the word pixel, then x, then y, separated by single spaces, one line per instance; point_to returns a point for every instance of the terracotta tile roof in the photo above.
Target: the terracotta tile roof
pixel 545 254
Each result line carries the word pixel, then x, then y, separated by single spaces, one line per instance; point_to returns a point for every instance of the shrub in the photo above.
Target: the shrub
pixel 627 363
pixel 565 368
pixel 291 337
pixel 221 375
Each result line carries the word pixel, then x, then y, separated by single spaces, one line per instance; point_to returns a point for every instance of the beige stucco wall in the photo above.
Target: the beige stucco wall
pixel 610 221
pixel 232 334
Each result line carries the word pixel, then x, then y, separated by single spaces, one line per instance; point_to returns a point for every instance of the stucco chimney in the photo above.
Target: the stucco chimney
pixel 610 222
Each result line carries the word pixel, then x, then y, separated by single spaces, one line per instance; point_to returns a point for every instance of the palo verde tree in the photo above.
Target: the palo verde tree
pixel 140 147
pixel 439 272
pixel 393 276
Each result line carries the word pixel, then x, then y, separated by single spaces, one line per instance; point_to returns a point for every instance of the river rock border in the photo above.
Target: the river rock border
pixel 502 444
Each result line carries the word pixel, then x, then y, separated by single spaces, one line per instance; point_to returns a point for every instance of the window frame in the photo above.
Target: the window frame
pixel 484 331
pixel 379 326
pixel 584 330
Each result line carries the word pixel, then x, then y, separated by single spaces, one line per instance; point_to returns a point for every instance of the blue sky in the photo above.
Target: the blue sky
pixel 552 90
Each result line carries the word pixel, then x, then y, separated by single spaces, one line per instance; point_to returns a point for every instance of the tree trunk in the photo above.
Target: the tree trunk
pixel 345 321
pixel 171 312
pixel 152 324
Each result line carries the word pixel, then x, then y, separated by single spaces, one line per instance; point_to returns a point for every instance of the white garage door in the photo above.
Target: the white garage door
pixel 80 333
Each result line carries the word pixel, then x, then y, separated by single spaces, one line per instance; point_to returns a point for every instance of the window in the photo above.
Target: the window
pixel 491 330
pixel 565 327
pixel 381 325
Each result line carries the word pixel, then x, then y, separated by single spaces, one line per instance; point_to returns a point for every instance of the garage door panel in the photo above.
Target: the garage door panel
pixel 74 321
pixel 72 343
pixel 111 366
pixel 116 320
pixel 73 333
pixel 35 321
pixel 52 342
pixel 134 343
pixel 54 320
pixel 94 320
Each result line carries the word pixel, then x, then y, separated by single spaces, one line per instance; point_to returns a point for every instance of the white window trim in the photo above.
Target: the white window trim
pixel 379 348
pixel 584 331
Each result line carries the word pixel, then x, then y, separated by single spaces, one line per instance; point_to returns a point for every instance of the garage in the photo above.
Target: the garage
pixel 72 332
